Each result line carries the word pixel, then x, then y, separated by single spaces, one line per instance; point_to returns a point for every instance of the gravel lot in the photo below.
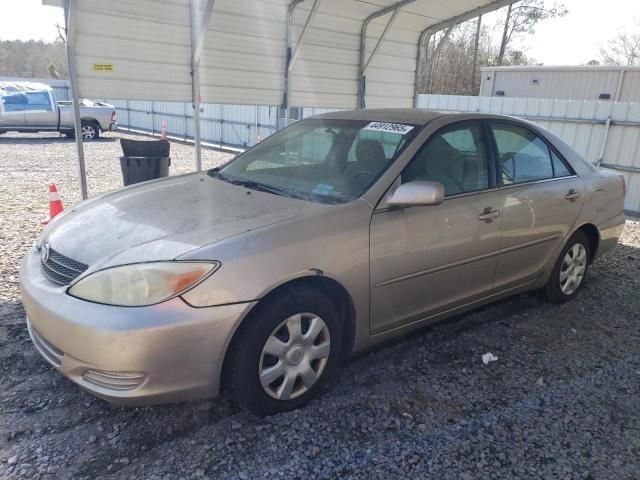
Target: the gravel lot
pixel 561 401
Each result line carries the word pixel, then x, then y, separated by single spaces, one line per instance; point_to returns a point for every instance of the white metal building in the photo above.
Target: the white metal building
pixel 618 84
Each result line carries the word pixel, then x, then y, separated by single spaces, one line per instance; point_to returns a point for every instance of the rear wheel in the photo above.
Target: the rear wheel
pixel 284 352
pixel 570 270
pixel 90 130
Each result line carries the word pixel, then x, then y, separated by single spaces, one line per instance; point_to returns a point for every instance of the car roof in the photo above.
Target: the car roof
pixel 413 116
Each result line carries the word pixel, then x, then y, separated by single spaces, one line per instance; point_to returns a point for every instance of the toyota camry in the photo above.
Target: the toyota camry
pixel 336 233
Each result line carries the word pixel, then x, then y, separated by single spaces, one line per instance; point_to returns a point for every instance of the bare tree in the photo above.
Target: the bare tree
pixel 622 50
pixel 522 17
pixel 476 47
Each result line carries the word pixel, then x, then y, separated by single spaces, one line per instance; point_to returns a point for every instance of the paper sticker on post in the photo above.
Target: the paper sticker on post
pixel 389 127
pixel 103 67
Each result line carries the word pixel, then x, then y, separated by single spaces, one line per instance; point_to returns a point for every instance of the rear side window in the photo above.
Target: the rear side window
pixel 456 158
pixel 523 156
pixel 560 169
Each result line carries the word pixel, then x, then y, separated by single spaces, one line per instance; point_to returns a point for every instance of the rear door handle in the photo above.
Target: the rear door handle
pixel 572 195
pixel 489 214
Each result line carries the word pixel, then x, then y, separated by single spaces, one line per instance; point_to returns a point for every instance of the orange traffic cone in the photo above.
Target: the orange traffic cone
pixel 55 204
pixel 163 130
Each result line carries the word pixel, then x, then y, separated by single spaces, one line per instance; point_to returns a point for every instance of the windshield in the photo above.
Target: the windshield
pixel 322 160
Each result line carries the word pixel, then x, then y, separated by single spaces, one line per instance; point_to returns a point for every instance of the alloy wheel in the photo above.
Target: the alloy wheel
pixel 294 356
pixel 88 132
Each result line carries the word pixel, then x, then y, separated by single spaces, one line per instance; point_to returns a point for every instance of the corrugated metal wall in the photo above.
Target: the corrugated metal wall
pixel 126 36
pixel 142 49
pixel 244 50
pixel 606 133
pixel 226 125
pixel 571 83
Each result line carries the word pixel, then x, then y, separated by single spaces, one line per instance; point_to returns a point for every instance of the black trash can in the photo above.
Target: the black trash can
pixel 144 160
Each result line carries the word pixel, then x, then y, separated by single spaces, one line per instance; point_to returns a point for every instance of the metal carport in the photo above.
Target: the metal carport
pixel 314 53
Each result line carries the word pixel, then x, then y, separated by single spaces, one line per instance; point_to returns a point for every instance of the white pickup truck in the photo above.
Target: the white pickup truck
pixel 32 107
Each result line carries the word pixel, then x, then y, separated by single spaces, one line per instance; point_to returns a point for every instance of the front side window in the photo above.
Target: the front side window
pixel 456 158
pixel 38 101
pixel 523 156
pixel 322 160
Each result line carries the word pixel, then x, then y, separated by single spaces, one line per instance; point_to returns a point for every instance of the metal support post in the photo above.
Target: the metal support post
pixel 198 33
pixel 364 62
pixel 69 24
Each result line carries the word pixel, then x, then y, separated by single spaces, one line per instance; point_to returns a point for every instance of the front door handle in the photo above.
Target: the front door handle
pixel 489 214
pixel 572 195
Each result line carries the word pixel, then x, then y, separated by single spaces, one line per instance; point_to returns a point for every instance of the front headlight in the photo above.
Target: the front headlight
pixel 141 284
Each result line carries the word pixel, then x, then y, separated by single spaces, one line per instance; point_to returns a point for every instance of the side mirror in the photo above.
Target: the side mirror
pixel 417 193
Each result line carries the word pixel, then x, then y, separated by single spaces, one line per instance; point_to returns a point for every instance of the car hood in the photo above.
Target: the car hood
pixel 164 219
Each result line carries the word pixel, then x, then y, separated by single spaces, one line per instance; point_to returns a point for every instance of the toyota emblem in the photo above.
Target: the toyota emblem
pixel 44 252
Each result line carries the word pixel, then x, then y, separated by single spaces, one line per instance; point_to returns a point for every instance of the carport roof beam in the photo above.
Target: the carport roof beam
pixel 305 29
pixel 364 64
pixel 201 28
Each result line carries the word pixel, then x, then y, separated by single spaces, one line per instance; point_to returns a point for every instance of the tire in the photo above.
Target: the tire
pixel 250 367
pixel 571 267
pixel 90 130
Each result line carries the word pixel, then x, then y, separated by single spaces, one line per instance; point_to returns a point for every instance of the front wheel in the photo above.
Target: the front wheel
pixel 570 270
pixel 284 352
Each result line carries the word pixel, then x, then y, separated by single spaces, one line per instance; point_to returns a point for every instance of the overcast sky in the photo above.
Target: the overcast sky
pixel 572 40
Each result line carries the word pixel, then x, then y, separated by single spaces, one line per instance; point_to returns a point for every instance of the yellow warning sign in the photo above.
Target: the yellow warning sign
pixel 103 67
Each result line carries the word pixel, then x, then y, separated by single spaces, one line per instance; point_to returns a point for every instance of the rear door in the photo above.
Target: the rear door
pixel 542 198
pixel 430 259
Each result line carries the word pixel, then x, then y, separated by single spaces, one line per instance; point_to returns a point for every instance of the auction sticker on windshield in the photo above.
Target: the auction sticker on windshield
pixel 389 127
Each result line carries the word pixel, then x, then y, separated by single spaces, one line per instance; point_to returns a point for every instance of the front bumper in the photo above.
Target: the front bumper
pixel 128 355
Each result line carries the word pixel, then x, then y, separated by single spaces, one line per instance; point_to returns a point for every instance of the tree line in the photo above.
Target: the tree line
pixel 33 59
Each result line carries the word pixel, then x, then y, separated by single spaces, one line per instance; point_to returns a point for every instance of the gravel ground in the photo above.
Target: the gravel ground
pixel 561 401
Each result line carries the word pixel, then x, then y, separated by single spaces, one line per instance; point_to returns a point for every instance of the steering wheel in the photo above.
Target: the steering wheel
pixel 452 177
pixel 364 177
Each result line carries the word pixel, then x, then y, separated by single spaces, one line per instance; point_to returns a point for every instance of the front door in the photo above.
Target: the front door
pixel 40 112
pixel 430 259
pixel 542 199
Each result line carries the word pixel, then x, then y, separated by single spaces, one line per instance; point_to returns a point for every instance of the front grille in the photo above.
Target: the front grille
pixel 60 269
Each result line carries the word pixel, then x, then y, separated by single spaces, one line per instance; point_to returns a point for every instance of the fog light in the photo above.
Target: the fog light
pixel 115 380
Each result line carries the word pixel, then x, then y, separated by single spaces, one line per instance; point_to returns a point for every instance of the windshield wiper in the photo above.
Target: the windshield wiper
pixel 281 191
pixel 263 187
